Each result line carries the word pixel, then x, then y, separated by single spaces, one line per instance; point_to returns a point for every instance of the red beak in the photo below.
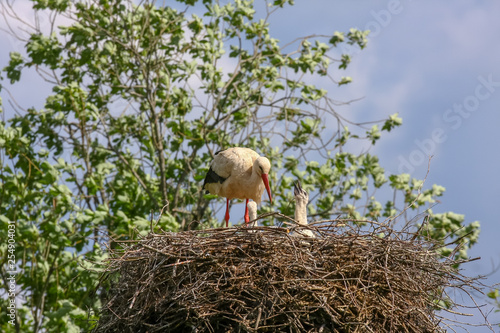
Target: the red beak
pixel 266 184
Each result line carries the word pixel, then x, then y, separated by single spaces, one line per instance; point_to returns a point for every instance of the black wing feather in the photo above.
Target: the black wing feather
pixel 213 177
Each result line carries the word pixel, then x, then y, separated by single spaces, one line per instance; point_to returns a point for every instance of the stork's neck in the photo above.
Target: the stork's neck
pixel 301 211
pixel 256 175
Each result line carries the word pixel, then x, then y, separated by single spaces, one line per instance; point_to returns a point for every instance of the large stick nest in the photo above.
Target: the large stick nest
pixel 268 280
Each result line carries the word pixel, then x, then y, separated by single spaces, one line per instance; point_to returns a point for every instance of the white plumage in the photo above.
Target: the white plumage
pixel 238 173
pixel 252 213
pixel 301 200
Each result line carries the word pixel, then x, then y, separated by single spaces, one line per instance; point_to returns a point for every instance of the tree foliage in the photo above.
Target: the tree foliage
pixel 141 98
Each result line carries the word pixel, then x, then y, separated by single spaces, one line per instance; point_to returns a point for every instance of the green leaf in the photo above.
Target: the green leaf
pixel 338 37
pixel 345 80
pixel 393 121
pixel 13 69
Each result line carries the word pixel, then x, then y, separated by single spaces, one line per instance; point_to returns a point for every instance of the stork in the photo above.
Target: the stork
pixel 301 200
pixel 252 213
pixel 238 173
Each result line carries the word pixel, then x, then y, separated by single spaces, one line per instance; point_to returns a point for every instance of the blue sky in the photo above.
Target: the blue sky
pixel 437 63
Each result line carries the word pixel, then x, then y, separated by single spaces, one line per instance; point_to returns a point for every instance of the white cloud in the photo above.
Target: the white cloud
pixel 472 31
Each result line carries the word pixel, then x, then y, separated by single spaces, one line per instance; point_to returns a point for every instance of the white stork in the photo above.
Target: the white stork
pixel 301 200
pixel 238 173
pixel 252 213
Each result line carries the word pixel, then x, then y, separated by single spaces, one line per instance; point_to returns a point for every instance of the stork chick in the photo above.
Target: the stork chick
pixel 252 213
pixel 301 200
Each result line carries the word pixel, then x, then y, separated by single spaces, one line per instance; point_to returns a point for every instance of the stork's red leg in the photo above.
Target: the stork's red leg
pixel 227 213
pixel 247 217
